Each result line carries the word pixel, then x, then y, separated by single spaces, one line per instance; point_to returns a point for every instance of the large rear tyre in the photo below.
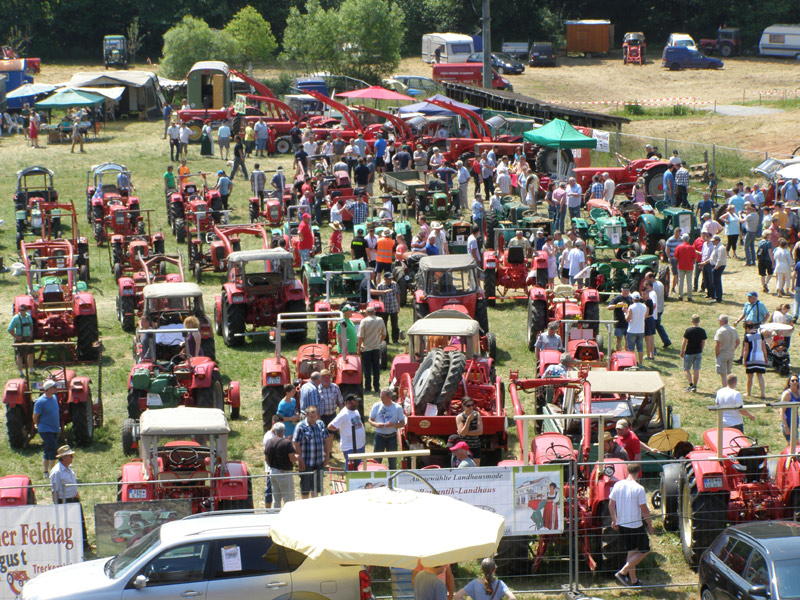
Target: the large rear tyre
pixel 127 436
pixel 591 312
pixel 127 313
pixel 82 421
pixel 482 315
pixel 88 335
pixel 421 310
pixel 702 517
pixel 283 145
pixel 537 321
pixel 18 430
pixel 134 406
pixel 301 335
pixel 547 160
pixel 180 231
pixel 490 286
pixel 612 557
pixel 670 495
pixel 490 225
pixel 491 345
pixel 454 378
pixel 654 183
pixel 429 379
pixel 270 398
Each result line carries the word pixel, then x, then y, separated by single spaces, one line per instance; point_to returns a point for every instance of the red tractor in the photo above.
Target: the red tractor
pixel 130 288
pixel 261 285
pixel 35 191
pixel 443 365
pixel 75 403
pixel 275 371
pixel 560 303
pixel 269 208
pixel 193 209
pixel 449 281
pixel 223 240
pixel 193 467
pixel 16 490
pixel 128 248
pixel 508 268
pixel 728 43
pixel 633 48
pixel 104 199
pixel 61 307
pixel 627 174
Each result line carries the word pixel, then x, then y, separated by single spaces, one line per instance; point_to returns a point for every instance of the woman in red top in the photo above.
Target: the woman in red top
pixel 34 130
pixel 335 245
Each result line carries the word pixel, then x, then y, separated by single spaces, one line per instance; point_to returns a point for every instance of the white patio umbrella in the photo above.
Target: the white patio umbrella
pixel 790 171
pixel 435 530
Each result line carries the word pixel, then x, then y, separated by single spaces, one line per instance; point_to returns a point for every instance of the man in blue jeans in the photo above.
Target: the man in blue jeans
pixel 47 420
pixel 371 333
pixel 386 417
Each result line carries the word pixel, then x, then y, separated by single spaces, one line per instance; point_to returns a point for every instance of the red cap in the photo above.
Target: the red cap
pixel 306 217
pixel 460 446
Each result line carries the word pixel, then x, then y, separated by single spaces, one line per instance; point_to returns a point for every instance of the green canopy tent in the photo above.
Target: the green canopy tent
pixel 560 135
pixel 70 98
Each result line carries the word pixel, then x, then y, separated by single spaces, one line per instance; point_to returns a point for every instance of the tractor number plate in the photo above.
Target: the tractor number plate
pixel 154 400
pixel 712 482
pixel 685 222
pixel 137 494
pixel 273 380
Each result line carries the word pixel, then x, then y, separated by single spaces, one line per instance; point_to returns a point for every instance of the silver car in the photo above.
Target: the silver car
pixel 213 557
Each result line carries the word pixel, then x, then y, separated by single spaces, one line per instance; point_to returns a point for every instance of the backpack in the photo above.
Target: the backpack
pixel 763 250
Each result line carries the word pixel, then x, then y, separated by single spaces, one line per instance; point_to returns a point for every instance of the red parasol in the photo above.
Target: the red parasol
pixel 375 92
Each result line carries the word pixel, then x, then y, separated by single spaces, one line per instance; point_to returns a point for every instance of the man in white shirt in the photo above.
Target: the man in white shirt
pixel 442 133
pixel 185 134
pixel 577 262
pixel 495 202
pixel 658 289
pixel 635 316
pixel 472 245
pixel 718 261
pixel 574 192
pixel 352 435
pixel 675 159
pixel 224 140
pixel 729 398
pixel 629 513
pixel 262 135
pixel 463 178
pixel 705 263
pixel 608 188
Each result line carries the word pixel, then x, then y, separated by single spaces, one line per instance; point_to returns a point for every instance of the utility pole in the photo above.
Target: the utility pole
pixel 486 33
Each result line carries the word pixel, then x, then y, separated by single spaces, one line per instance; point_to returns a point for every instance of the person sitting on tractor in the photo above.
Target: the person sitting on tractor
pixel 561 370
pixel 612 449
pixel 519 240
pixel 387 210
pixel 548 341
pixel 630 441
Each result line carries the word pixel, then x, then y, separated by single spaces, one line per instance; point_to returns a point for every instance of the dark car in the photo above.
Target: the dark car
pixel 753 561
pixel 501 62
pixel 676 58
pixel 542 55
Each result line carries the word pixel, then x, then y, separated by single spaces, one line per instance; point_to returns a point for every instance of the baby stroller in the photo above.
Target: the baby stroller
pixel 777 349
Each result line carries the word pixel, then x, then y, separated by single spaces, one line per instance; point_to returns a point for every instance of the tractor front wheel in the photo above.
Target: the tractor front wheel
pixel 18 430
pixel 283 145
pixel 127 437
pixel 270 397
pixel 490 286
pixel 491 345
pixel 482 315
pixel 213 396
pixel 702 517
pixel 180 231
pixel 233 323
pixel 82 421
pixel 537 321
pixel 134 407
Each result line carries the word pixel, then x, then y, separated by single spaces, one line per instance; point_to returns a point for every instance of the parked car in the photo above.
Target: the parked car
pixel 418 86
pixel 676 58
pixel 755 561
pixel 683 40
pixel 543 54
pixel 501 62
pixel 216 556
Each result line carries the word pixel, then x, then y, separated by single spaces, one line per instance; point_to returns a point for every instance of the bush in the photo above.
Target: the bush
pixel 190 41
pixel 281 85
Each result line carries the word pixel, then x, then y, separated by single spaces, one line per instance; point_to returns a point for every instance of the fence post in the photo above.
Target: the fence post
pixel 714 160
pixel 666 147
pixel 574 546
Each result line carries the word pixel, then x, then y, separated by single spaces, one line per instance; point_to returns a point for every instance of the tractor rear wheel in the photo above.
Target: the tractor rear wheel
pixel 99 235
pixel 297 337
pixel 670 495
pixel 513 557
pixel 547 160
pixel 283 145
pixel 127 317
pixel 491 345
pixel 384 348
pixel 88 334
pixel 421 310
pixel 134 406
pixel 612 557
pixel 270 398
pixel 429 379
pixel 180 231
pixel 537 321
pixel 233 322
pixel 402 285
pixel 482 315
pixel 647 241
pixel 127 436
pixel 198 273
pixel 490 286
pixel 490 224
pixel 591 312
pixel 117 270
pixel 82 421
pixel 702 517
pixel 322 332
pixel 18 430
pixel 453 379
pixel 176 211
pixel 654 183
pixel 638 281
pixel 116 252
pixel 665 277
pixel 208 347
pixel 213 396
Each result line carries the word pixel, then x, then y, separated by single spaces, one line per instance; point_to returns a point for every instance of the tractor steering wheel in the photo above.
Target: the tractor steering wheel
pixel 255 280
pixel 628 255
pixel 51 373
pixel 565 294
pixel 178 459
pixel 734 443
pixel 553 452
pixel 529 213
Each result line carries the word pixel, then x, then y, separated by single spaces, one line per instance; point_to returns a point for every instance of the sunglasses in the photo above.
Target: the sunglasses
pixel 469 405
pixel 793 381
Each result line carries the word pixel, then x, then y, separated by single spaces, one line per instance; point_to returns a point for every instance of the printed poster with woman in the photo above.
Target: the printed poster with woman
pixel 538 501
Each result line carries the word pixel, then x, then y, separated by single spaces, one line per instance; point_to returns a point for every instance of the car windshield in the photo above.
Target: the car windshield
pixel 503 56
pixel 684 43
pixel 118 565
pixel 451 283
pixel 786 576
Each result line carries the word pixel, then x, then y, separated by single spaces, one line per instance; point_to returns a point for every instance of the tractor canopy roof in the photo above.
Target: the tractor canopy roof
pixel 624 382
pixel 156 291
pixel 184 421
pixel 244 256
pixel 445 322
pixel 447 262
pixel 33 172
pixel 108 166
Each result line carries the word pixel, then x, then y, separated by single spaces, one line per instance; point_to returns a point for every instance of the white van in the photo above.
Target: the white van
pixel 780 40
pixel 452 47
pixel 681 39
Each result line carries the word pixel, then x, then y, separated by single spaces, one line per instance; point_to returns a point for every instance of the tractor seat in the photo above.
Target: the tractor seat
pixel 52 292
pixel 516 255
pixel 563 290
pixel 335 194
pixel 751 463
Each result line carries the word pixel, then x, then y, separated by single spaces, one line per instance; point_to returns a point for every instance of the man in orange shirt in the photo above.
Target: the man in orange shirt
pixel 384 252
pixel 183 171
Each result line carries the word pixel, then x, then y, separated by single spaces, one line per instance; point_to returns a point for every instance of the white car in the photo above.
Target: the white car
pixel 204 557
pixel 681 39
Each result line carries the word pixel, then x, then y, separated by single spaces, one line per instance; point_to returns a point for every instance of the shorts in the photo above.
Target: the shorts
pixel 383 267
pixel 724 365
pixel 22 353
pixel 765 267
pixel 50 440
pixel 224 142
pixel 311 480
pixel 261 144
pixel 635 341
pixel 372 264
pixel 634 539
pixel 692 362
pixel 620 332
pixel 379 161
pixel 673 264
pixel 649 326
pixel 755 369
pixel 476 452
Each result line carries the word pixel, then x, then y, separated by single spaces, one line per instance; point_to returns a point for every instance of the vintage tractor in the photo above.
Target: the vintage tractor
pixel 167 375
pixel 194 208
pixel 633 48
pixel 728 43
pixel 340 188
pixel 561 303
pixel 406 272
pixel 445 363
pixel 132 525
pixel 261 285
pixel 153 269
pixel 275 371
pixel 222 240
pixel 651 228
pixel 61 307
pixel 507 268
pixel 75 401
pixel 193 467
pixel 115 51
pixel 399 224
pixel 292 238
pixel 127 248
pixel 16 490
pixel 104 199
pixel 344 280
pixel 169 303
pixel 269 209
pixel 609 275
pixel 604 232
pixel 35 191
pixel 514 215
pixel 449 281
pixel 627 174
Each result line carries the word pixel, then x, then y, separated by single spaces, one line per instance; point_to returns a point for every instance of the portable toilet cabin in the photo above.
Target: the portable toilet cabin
pixel 208 85
pixel 590 37
pixel 780 40
pixel 452 47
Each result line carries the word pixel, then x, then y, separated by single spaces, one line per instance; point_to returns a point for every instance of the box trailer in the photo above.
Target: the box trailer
pixel 780 40
pixel 446 47
pixel 590 37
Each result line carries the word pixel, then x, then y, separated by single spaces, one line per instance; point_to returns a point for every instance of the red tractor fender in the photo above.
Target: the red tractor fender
pixel 78 390
pixel 233 294
pixel 589 295
pixel 622 360
pixel 98 202
pixel 294 290
pixel 232 395
pixel 234 486
pixel 175 197
pixel 348 370
pixel 203 369
pixel 600 491
pixel 787 476
pixel 23 300
pixel 218 310
pixel 489 259
pixel 83 304
pixel 705 465
pixel 402 364
pixel 322 306
pixel 133 479
pixel 538 293
pixel 126 286
pixel 14 490
pixel 14 392
pixel 117 239
pixel 274 367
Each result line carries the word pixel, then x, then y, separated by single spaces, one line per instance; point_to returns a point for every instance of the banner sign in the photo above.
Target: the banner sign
pixel 119 524
pixel 529 498
pixel 603 140
pixel 35 539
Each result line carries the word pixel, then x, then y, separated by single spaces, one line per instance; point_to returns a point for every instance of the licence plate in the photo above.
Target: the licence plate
pixel 712 482
pixel 138 494
pixel 273 380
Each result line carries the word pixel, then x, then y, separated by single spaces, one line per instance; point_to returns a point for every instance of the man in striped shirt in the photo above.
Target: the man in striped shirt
pixel 682 185
pixel 671 244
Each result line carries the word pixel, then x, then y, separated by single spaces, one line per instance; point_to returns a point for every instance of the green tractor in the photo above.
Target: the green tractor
pixel 652 228
pixel 344 280
pixel 399 225
pixel 606 232
pixel 514 215
pixel 628 268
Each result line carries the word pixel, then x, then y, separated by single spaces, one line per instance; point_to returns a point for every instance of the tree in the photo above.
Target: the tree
pixel 134 39
pixel 252 36
pixel 190 41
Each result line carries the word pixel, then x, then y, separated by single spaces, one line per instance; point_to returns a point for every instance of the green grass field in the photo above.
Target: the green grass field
pixel 139 146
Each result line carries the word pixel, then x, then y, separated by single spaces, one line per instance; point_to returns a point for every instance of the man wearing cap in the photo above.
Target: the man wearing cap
pixel 539 240
pixel 21 329
pixel 519 241
pixel 371 333
pixel 402 160
pixel 619 304
pixel 330 397
pixel 648 150
pixel 386 417
pixel 390 295
pixel 461 458
pixel 47 421
pixel 635 316
pixel 306 243
pixel 549 340
pixel 612 449
pixel 64 485
pixel 630 441
pixel 753 310
pixel 224 186
pixel 352 435
pixel 309 392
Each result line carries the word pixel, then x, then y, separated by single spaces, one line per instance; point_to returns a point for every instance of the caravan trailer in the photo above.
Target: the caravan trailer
pixel 452 47
pixel 780 40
